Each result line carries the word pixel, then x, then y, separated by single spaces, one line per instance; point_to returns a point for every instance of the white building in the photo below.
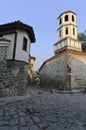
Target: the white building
pixel 21 37
pixel 15 43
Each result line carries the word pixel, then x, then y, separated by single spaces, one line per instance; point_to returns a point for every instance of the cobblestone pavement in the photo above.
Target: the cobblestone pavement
pixel 44 110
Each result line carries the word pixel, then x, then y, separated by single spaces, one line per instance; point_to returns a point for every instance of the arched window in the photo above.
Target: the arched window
pixel 73 18
pixel 66 18
pixel 60 21
pixel 66 31
pixel 73 31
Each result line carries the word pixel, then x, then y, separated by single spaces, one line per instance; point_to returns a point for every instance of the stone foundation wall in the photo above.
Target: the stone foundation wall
pixel 54 74
pixel 78 65
pixel 13 74
pixel 11 85
pixel 65 72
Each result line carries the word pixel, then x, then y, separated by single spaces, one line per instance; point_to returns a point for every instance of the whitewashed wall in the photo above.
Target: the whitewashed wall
pixel 21 54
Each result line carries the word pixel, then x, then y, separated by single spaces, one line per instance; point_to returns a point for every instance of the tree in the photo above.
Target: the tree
pixel 82 38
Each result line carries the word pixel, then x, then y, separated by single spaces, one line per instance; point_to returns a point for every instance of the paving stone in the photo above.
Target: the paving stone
pixel 74 128
pixel 22 114
pixel 57 112
pixel 28 120
pixel 7 113
pixel 15 116
pixel 1 118
pixel 2 123
pixel 6 118
pixel 32 110
pixel 52 127
pixel 51 118
pixel 22 121
pixel 1 112
pixel 13 122
pixel 81 128
pixel 12 112
pixel 35 119
pixel 23 128
pixel 4 128
pixel 34 127
pixel 14 128
pixel 58 126
pixel 43 125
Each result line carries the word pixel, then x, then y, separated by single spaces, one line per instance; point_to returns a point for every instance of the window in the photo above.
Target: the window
pixel 72 18
pixel 73 31
pixel 60 33
pixel 66 18
pixel 66 31
pixel 24 44
pixel 60 21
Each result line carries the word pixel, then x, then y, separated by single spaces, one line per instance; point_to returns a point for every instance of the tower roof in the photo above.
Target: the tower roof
pixel 66 12
pixel 18 25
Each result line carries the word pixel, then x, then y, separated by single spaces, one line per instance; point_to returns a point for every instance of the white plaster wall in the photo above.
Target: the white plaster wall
pixel 10 37
pixel 67 22
pixel 69 43
pixel 21 54
pixel 70 24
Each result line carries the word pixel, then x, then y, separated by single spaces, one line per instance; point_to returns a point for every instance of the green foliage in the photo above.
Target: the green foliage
pixel 81 36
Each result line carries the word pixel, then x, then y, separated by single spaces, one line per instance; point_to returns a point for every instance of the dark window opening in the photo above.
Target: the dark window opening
pixel 72 18
pixel 24 44
pixel 73 31
pixel 66 30
pixel 66 18
pixel 60 21
pixel 60 33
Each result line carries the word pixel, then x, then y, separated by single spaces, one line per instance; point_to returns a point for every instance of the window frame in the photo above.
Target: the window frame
pixel 24 46
pixel 72 18
pixel 73 31
pixel 66 30
pixel 66 18
pixel 60 21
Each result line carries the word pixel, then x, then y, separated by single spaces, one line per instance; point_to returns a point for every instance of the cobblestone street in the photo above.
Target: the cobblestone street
pixel 43 110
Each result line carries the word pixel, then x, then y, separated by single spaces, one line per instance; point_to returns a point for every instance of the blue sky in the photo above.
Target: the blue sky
pixel 42 16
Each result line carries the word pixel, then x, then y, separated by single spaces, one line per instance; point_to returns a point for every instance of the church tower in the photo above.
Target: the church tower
pixel 67 33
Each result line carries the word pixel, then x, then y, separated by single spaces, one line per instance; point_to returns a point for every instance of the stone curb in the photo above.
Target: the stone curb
pixel 62 92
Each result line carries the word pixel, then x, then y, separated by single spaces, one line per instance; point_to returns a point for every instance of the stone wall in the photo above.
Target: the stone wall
pixel 78 65
pixel 65 72
pixel 54 73
pixel 11 85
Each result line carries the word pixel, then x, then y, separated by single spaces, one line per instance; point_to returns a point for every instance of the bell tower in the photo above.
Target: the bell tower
pixel 67 33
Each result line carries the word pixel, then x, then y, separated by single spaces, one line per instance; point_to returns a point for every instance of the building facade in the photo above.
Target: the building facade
pixel 66 69
pixel 15 42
